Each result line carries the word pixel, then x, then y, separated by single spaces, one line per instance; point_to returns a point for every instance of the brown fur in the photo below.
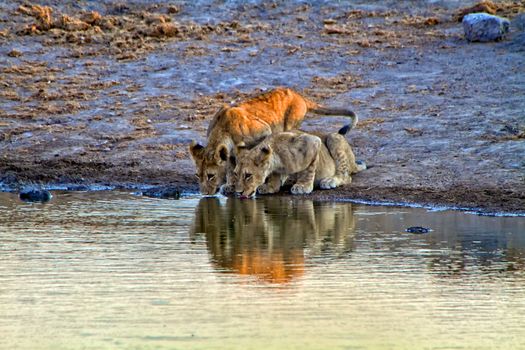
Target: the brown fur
pixel 326 162
pixel 249 122
pixel 483 6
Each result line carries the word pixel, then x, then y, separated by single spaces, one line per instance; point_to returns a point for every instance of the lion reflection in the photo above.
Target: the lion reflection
pixel 271 237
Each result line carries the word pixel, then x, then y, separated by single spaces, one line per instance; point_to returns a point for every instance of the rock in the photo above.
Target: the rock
pixel 14 53
pixel 164 30
pixel 35 195
pixel 164 193
pixel 172 9
pixel 484 27
pixel 418 229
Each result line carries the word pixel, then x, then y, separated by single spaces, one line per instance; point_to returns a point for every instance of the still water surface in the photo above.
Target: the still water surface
pixel 110 270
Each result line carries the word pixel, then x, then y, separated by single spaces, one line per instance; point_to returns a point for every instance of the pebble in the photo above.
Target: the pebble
pixel 164 193
pixel 484 27
pixel 417 229
pixel 35 195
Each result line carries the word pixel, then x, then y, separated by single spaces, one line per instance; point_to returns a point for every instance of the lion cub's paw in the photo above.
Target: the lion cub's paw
pixel 328 183
pixel 265 189
pixel 227 189
pixel 301 189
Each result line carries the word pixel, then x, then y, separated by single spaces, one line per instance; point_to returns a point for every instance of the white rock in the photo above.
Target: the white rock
pixel 484 27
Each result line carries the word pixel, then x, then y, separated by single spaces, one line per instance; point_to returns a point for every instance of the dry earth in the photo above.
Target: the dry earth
pixel 111 93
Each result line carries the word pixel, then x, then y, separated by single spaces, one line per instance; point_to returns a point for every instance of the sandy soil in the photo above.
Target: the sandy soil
pixel 111 93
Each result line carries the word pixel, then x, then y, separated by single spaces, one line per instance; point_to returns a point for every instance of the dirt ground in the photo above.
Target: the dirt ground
pixel 111 92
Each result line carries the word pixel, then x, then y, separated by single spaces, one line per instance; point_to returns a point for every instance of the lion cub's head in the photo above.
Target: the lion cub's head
pixel 252 168
pixel 211 165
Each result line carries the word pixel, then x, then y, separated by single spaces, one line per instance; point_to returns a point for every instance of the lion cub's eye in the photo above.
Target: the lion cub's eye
pixel 211 176
pixel 247 176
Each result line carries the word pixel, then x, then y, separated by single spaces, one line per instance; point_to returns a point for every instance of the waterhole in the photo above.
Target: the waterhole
pixel 112 270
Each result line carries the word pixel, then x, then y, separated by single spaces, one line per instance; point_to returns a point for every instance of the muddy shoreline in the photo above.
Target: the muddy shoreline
pixel 112 96
pixel 482 200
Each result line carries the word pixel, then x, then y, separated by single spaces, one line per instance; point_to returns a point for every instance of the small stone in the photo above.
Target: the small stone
pixel 35 195
pixel 418 229
pixel 14 53
pixel 172 9
pixel 329 21
pixel 484 27
pixel 163 193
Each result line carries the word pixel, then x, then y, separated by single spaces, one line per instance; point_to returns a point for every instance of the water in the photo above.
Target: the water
pixel 110 270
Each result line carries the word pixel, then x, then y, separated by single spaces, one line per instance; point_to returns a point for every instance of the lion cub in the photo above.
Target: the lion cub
pixel 250 122
pixel 326 161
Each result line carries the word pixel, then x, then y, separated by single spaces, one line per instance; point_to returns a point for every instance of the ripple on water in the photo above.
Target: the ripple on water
pixel 116 270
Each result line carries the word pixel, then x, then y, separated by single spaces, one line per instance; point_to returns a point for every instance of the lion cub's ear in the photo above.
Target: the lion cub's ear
pixel 222 154
pixel 264 156
pixel 196 150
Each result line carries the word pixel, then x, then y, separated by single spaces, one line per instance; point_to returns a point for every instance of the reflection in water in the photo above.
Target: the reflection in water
pixel 115 271
pixel 268 237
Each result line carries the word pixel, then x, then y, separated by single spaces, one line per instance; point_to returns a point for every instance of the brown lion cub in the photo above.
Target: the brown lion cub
pixel 326 161
pixel 249 122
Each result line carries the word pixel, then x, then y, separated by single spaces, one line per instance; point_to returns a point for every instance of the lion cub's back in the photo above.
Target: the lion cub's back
pixel 326 165
pixel 296 150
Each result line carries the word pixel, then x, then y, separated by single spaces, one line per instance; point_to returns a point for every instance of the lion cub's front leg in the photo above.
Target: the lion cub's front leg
pixel 305 180
pixel 229 187
pixel 304 164
pixel 273 185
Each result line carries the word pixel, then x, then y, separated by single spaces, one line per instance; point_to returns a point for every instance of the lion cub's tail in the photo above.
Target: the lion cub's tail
pixel 345 129
pixel 317 109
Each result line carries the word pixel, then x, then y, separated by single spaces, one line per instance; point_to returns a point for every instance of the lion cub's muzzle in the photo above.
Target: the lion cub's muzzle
pixel 246 196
